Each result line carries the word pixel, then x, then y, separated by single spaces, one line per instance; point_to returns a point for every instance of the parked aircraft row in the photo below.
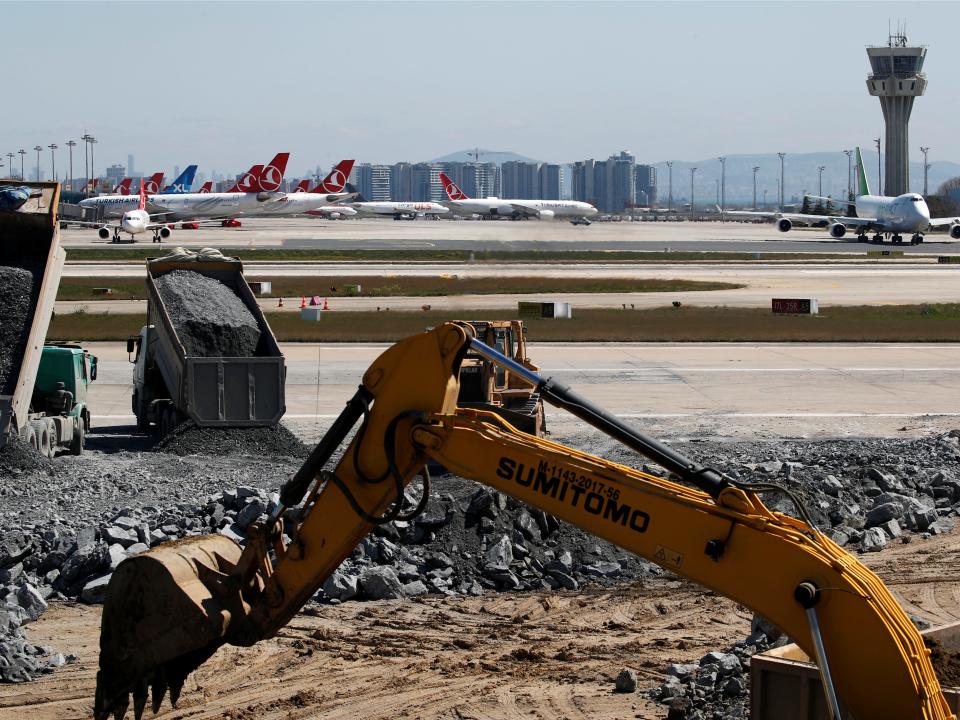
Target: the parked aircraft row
pixel 881 215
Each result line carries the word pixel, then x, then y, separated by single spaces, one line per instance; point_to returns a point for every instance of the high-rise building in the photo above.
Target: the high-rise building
pixel 480 180
pixel 551 181
pixel 896 79
pixel 621 191
pixel 401 182
pixel 425 183
pixel 520 180
pixel 130 168
pixel 583 174
pixel 115 173
pixel 645 185
pixel 373 181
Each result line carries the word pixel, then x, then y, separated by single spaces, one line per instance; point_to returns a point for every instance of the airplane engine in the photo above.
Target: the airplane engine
pixel 165 232
pixel 955 231
pixel 838 230
pixel 230 222
pixel 546 214
pixel 332 198
pixel 104 233
pixel 784 225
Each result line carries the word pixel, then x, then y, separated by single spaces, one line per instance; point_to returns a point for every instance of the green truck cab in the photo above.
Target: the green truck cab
pixel 59 416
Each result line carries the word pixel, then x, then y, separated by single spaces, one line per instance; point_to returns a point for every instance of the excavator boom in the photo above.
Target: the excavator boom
pixel 168 610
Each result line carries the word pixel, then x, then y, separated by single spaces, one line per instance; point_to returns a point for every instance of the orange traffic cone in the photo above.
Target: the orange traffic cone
pixel 303 303
pixel 280 302
pixel 325 305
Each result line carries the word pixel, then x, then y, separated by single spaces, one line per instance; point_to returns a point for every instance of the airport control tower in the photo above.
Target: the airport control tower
pixel 896 79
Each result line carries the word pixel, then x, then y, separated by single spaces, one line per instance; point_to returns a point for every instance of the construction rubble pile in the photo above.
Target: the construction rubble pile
pixel 64 527
pixel 16 292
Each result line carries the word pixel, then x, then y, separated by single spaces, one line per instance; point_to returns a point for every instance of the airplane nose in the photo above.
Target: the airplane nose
pixel 592 211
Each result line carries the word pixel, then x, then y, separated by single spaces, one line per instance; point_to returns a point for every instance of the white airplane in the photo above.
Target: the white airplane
pixel 333 212
pixel 398 210
pixel 134 222
pixel 878 214
pixel 573 210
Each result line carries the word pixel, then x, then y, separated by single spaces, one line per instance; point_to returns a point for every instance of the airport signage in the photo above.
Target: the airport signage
pixel 795 306
pixel 544 310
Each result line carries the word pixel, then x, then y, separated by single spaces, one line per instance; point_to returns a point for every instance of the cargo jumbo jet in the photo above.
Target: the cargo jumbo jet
pixel 881 215
pixel 573 210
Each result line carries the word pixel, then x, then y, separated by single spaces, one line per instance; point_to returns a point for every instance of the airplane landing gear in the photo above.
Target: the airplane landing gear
pixel 897 239
pixel 116 236
pixel 861 237
pixel 878 239
pixel 916 239
pixel 156 236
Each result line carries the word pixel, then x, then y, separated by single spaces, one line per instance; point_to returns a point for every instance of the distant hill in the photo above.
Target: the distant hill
pixel 488 156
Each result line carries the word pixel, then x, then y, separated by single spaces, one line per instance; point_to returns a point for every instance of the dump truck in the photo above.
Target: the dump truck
pixel 172 382
pixel 43 388
pixel 487 386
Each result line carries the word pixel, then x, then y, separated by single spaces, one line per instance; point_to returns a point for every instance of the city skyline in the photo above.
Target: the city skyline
pixel 665 100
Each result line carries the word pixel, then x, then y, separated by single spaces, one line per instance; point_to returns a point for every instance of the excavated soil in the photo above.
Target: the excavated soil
pixel 946 663
pixel 540 655
pixel 274 441
pixel 209 317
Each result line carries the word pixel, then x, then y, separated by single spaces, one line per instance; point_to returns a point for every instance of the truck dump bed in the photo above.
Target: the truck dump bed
pixel 217 391
pixel 29 240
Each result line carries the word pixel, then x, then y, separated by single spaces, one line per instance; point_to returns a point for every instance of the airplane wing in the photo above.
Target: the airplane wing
pixel 806 218
pixel 524 210
pixel 944 222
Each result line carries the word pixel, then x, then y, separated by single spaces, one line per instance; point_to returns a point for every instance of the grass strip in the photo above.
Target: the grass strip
pixel 900 323
pixel 81 289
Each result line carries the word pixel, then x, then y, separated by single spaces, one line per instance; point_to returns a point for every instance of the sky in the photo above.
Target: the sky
pixel 227 84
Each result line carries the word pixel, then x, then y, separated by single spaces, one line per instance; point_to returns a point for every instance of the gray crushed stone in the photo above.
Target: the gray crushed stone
pixel 209 317
pixel 17 458
pixel 16 298
pixel 275 441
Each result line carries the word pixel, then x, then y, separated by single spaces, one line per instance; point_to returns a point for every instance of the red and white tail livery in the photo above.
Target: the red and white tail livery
pixel 450 188
pixel 248 181
pixel 302 186
pixel 123 187
pixel 272 174
pixel 336 181
pixel 206 187
pixel 143 198
pixel 153 183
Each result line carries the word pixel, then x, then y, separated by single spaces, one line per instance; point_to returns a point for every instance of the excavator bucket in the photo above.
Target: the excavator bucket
pixel 166 612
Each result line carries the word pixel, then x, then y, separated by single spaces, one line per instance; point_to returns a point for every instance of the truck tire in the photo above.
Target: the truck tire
pixel 54 437
pixel 29 437
pixel 42 435
pixel 143 424
pixel 79 436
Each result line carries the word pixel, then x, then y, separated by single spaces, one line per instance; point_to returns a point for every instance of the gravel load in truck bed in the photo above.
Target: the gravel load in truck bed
pixel 209 318
pixel 16 294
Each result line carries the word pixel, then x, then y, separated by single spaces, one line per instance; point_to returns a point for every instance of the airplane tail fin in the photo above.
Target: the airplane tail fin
pixel 248 181
pixel 123 187
pixel 337 179
pixel 450 187
pixel 206 187
pixel 183 183
pixel 302 186
pixel 152 183
pixel 143 197
pixel 272 173
pixel 863 186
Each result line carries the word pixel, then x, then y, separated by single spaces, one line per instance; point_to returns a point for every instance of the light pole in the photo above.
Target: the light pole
pixel 10 163
pixel 764 198
pixel 86 165
pixel 755 168
pixel 926 167
pixel 93 170
pixel 820 169
pixel 849 154
pixel 53 161
pixel 670 194
pixel 71 144
pixel 39 149
pixel 723 183
pixel 693 171
pixel 879 178
pixel 781 192
pixel 21 152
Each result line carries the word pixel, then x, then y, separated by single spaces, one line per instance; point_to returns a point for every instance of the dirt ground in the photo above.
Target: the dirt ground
pixel 535 655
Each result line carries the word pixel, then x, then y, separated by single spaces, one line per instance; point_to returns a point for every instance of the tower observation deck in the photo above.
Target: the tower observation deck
pixel 896 79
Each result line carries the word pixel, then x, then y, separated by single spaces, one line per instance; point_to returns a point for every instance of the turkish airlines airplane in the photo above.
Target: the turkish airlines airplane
pixel 573 210
pixel 123 187
pixel 134 222
pixel 879 214
pixel 333 212
pixel 206 187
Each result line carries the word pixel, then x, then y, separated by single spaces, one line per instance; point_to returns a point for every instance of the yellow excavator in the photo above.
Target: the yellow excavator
pixel 169 609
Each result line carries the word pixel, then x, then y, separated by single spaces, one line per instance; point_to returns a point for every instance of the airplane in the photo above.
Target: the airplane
pixel 123 187
pixel 153 183
pixel 333 212
pixel 302 186
pixel 134 222
pixel 335 182
pixel 881 215
pixel 206 187
pixel 576 211
pixel 183 183
pixel 397 210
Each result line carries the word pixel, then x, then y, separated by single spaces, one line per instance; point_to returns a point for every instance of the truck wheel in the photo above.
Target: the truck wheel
pixel 43 438
pixel 54 438
pixel 29 437
pixel 79 435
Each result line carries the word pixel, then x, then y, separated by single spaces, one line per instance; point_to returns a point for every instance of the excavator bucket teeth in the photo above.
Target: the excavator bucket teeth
pixel 166 612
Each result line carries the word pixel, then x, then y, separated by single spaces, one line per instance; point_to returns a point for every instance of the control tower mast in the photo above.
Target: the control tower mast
pixel 896 79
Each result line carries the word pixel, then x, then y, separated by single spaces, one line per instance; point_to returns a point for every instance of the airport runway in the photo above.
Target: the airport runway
pixel 309 233
pixel 848 284
pixel 723 389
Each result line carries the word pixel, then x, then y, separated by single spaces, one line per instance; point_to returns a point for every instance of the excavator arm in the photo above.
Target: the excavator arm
pixel 168 610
